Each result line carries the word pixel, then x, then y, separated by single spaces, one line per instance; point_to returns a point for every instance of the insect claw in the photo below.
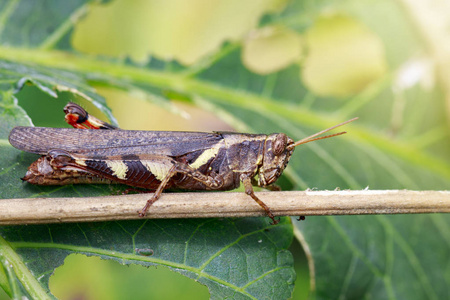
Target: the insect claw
pixel 275 221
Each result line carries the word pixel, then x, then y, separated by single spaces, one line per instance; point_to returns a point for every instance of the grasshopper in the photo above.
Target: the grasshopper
pixel 155 160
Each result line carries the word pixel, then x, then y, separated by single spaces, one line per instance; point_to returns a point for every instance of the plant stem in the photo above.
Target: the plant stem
pixel 223 204
pixel 10 258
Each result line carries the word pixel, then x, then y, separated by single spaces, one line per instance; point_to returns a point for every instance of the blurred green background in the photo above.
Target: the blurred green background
pixel 386 61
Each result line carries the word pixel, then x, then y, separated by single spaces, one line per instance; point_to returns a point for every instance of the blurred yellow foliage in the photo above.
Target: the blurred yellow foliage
pixel 134 112
pixel 173 29
pixel 343 56
pixel 271 49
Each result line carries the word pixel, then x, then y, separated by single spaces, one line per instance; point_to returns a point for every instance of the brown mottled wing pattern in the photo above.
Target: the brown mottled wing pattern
pixel 107 143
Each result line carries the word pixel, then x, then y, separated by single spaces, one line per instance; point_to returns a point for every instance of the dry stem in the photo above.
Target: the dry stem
pixel 222 204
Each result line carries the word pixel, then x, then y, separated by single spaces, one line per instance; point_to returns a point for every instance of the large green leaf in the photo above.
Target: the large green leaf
pixel 240 259
pixel 379 256
pixel 220 254
pixel 400 141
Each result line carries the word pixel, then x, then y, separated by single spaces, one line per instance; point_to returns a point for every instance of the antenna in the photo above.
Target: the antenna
pixel 313 137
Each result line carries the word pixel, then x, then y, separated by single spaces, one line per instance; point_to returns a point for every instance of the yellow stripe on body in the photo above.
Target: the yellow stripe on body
pixel 118 167
pixel 160 170
pixel 205 157
pixel 80 162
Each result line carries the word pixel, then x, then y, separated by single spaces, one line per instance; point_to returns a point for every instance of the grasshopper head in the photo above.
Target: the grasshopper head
pixel 278 149
pixel 276 157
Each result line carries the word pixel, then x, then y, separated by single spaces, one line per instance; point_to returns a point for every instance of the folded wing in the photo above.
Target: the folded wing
pixel 103 143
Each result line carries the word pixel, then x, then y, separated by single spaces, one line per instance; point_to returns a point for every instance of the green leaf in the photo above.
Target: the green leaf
pixel 240 258
pixel 379 256
pixel 15 76
pixel 14 163
pixel 229 264
pixel 401 140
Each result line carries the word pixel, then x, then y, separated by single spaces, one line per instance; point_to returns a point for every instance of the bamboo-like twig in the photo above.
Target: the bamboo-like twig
pixel 222 204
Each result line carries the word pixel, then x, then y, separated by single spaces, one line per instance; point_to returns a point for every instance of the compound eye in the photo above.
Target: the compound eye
pixel 279 144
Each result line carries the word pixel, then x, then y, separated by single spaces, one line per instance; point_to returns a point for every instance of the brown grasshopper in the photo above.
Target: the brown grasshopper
pixel 155 160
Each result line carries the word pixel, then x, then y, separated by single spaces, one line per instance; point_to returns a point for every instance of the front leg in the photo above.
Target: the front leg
pixel 212 182
pixel 272 187
pixel 249 191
